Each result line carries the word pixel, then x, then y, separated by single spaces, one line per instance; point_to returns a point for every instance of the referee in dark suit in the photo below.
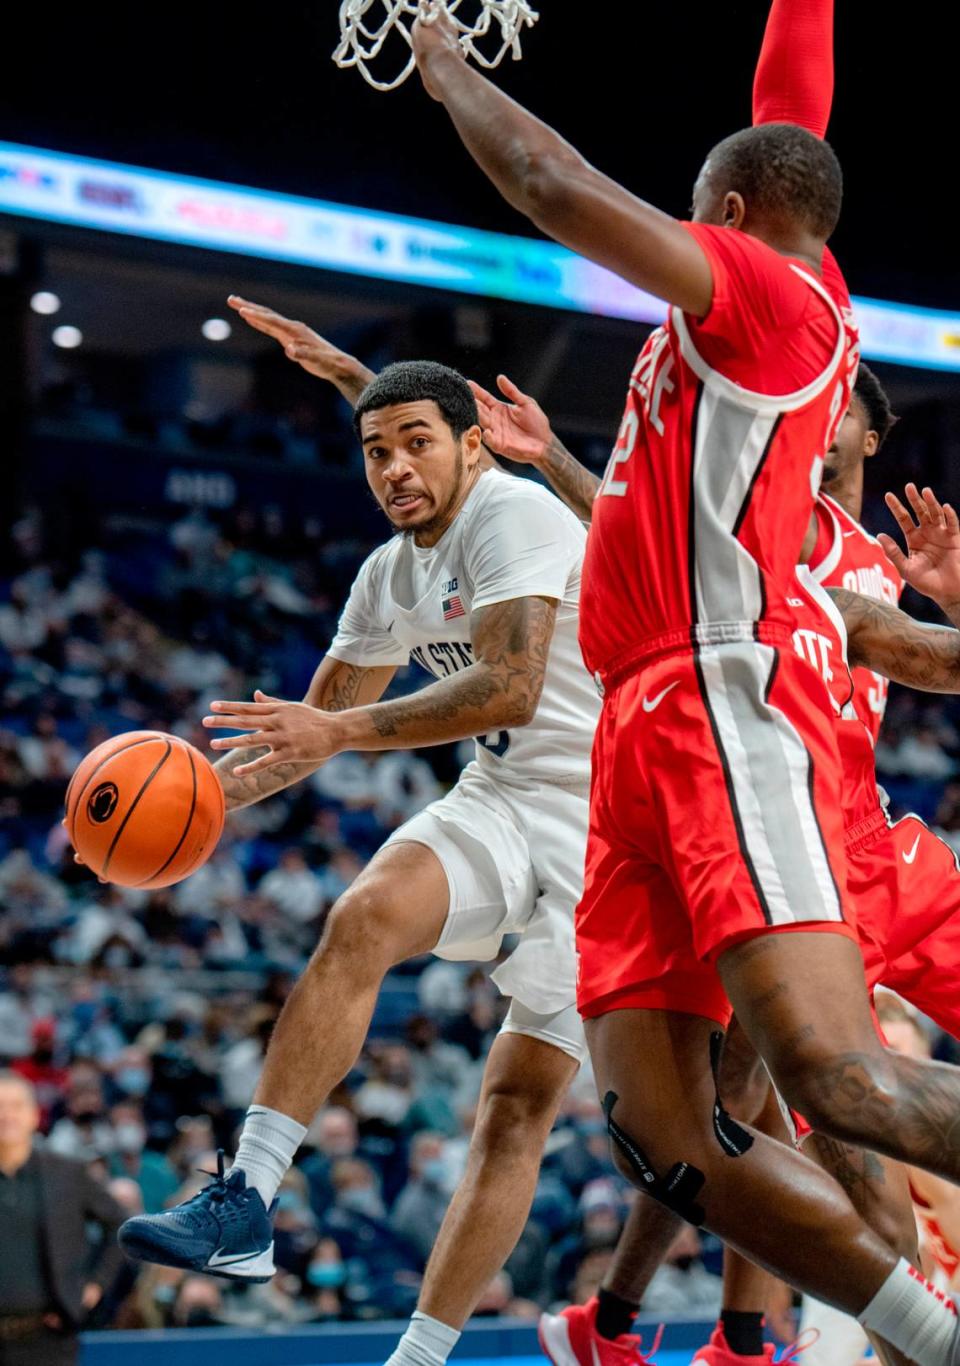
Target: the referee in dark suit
pixel 52 1273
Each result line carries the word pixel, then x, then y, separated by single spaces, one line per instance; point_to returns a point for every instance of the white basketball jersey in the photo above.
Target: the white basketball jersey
pixel 511 539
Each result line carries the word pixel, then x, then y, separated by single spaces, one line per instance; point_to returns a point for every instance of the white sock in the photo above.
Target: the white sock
pixel 427 1342
pixel 914 1316
pixel 268 1145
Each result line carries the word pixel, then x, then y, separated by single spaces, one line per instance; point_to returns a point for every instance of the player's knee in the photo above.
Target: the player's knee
pixel 512 1120
pixel 837 1092
pixel 363 925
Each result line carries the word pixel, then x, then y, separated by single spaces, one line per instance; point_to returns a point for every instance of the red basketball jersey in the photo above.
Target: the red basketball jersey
pixel 698 523
pixel 847 556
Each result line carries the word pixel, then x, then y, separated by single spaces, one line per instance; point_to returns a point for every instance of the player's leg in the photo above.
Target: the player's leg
pixel 525 1078
pixel 395 910
pixel 654 1068
pixel 802 1000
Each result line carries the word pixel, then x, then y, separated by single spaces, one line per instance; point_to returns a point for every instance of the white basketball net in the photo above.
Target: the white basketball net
pixel 366 24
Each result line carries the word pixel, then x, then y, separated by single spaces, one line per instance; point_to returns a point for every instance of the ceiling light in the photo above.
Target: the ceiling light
pixel 67 337
pixel 44 302
pixel 216 329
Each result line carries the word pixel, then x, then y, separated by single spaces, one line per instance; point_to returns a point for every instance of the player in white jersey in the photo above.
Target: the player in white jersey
pixel 480 584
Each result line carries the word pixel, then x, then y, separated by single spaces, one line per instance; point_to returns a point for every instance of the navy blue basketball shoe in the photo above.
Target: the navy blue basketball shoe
pixel 224 1230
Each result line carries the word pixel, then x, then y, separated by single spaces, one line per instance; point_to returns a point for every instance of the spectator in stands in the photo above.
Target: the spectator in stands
pixel 294 888
pixel 47 1203
pixel 41 1069
pixel 421 1205
pixel 133 1161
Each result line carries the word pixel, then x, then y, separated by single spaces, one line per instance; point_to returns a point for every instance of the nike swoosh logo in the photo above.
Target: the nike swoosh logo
pixel 908 858
pixel 595 1354
pixel 847 534
pixel 219 1260
pixel 652 703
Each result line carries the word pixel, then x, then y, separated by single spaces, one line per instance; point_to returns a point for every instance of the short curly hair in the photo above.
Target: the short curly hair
pixel 409 381
pixel 782 171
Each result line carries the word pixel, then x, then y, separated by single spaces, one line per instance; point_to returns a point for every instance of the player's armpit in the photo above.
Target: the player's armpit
pixel 335 686
pixel 889 642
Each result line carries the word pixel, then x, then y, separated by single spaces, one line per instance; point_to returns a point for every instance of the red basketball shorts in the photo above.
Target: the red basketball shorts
pixel 905 887
pixel 715 815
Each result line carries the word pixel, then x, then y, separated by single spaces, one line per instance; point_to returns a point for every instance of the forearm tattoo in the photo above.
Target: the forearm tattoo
pixel 889 642
pixel 341 691
pixel 569 479
pixel 859 1171
pixel 511 642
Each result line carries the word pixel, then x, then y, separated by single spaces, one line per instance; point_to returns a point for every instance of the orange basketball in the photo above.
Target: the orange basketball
pixel 144 809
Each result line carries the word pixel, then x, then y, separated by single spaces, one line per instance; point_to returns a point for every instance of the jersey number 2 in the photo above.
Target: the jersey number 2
pixel 622 451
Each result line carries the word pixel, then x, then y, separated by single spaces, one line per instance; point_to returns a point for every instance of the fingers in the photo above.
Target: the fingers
pixel 919 505
pixel 242 708
pixel 951 519
pixel 893 553
pixel 507 386
pixel 934 510
pixel 904 520
pixel 253 740
pixel 483 396
pixel 256 765
pixel 260 696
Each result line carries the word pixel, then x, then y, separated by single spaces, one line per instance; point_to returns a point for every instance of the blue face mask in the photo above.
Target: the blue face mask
pixel 435 1172
pixel 326 1274
pixel 135 1081
pixel 362 1200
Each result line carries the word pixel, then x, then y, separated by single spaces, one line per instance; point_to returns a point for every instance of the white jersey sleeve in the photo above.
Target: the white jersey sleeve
pixel 363 635
pixel 520 545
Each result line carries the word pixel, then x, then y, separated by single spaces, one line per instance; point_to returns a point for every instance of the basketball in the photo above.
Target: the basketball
pixel 144 809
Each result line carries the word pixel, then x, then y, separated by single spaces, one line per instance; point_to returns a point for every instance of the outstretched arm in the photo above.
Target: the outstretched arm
pixel 520 431
pixel 307 348
pixel 511 643
pixel 890 643
pixel 546 179
pixel 886 640
pixel 794 78
pixel 335 687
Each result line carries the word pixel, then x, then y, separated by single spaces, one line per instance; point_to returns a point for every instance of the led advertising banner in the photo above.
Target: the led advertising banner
pixel 202 213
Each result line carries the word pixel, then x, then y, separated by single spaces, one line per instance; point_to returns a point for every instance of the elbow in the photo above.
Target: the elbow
pixel 543 182
pixel 521 708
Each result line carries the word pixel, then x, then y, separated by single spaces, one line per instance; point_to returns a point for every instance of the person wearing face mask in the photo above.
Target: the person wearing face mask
pixel 422 1203
pixel 131 1158
pixel 51 1276
pixel 324 1280
pixel 384 1262
pixel 41 1069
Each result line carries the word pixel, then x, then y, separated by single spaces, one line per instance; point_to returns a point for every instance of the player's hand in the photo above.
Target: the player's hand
pixel 300 343
pixel 292 731
pixel 519 430
pixel 931 563
pixel 434 36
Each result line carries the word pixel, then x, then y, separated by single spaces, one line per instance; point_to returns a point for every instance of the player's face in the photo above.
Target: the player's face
pixel 852 445
pixel 418 471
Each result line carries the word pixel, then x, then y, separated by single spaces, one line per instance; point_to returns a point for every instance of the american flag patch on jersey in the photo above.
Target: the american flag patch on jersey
pixel 452 607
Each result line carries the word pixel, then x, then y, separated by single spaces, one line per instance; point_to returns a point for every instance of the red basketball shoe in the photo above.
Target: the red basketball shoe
pixel 718 1352
pixel 570 1338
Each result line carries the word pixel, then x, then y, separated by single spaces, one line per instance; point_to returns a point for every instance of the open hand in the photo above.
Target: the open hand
pixel 519 430
pixel 434 34
pixel 300 343
pixel 931 563
pixel 292 731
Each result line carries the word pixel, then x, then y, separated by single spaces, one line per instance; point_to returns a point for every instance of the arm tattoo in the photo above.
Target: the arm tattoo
pixel 511 642
pixel 340 692
pixel 859 1171
pixel 570 480
pixel 889 642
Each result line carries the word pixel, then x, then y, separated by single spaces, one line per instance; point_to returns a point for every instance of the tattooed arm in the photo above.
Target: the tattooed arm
pixel 335 687
pixel 511 643
pixel 889 642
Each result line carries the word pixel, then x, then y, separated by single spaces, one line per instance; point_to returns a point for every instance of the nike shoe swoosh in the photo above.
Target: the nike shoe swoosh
pixel 908 858
pixel 219 1260
pixel 652 703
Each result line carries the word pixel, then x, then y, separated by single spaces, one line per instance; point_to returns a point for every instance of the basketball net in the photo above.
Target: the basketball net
pixel 365 26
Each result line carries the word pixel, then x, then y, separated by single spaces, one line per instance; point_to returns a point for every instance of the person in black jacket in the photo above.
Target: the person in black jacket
pixel 52 1273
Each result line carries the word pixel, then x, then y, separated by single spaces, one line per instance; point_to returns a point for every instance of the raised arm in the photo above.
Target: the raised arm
pixel 546 179
pixel 886 640
pixel 334 687
pixel 520 430
pixel 500 690
pixel 794 77
pixel 307 348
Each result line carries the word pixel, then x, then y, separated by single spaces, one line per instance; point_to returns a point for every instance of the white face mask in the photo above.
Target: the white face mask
pixel 129 1138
